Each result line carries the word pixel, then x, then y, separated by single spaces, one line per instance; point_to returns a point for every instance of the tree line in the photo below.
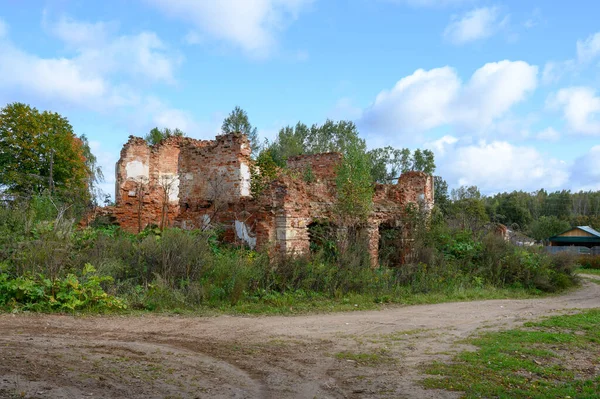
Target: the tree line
pixel 539 214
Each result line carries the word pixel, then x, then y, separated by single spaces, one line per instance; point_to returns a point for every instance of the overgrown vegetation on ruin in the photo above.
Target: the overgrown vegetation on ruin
pixel 41 260
pixel 46 262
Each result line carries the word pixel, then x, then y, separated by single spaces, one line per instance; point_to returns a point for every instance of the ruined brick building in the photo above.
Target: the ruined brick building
pixel 192 183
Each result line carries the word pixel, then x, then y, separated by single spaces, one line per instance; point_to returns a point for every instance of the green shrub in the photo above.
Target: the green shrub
pixel 589 261
pixel 39 293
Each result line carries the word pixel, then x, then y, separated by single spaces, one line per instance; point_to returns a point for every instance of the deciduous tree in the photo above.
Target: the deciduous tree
pixel 237 122
pixel 40 152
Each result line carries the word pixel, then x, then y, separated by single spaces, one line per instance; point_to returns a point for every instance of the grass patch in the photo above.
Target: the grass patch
pixel 293 303
pixel 554 358
pixel 588 271
pixel 365 359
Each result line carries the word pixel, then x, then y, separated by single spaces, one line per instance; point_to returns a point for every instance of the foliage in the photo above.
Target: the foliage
pixel 546 227
pixel 354 188
pixel 468 214
pixel 289 143
pixel 157 135
pixel 541 360
pixel 441 196
pixel 176 269
pixel 237 122
pixel 40 152
pixel 262 173
pixel 39 293
pixel 589 261
pixel 308 175
pixel 331 136
pixel 387 163
pixel 423 161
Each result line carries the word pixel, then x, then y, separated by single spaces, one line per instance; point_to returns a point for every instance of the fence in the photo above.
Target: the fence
pixel 574 250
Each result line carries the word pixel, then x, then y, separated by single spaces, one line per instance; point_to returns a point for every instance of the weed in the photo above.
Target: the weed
pixel 552 358
pixel 366 359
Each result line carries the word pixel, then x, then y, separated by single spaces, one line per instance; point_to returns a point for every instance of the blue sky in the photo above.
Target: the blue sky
pixel 506 93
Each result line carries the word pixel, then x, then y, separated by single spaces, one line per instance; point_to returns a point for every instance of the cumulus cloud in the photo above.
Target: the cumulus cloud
pixel 441 145
pixel 474 25
pixel 580 107
pixel 251 25
pixel 100 71
pixel 429 99
pixel 49 78
pixel 98 49
pixel 101 74
pixel 499 166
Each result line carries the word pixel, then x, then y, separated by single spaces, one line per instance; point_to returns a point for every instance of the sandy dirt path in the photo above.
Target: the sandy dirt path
pixel 362 354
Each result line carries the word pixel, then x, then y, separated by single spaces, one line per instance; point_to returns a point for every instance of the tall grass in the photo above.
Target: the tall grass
pixel 186 269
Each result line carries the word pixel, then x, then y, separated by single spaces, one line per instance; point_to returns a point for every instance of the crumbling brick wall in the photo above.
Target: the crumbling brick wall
pixel 147 183
pixel 211 185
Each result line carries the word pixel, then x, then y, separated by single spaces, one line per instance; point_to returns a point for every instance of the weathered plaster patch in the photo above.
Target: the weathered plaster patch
pixel 170 181
pixel 137 169
pixel 242 231
pixel 245 177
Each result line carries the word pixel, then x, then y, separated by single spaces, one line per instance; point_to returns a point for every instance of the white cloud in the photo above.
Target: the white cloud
pixel 49 78
pixel 80 34
pixel 105 73
pixel 548 134
pixel 97 49
pixel 165 116
pixel 501 166
pixel 441 145
pixel 580 107
pixel 429 99
pixel 250 24
pixel 99 72
pixel 420 101
pixel 589 49
pixel 555 70
pixel 586 169
pixel 535 19
pixel 476 24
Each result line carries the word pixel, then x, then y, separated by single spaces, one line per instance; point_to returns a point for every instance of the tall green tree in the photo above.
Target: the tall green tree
pixel 440 194
pixel 40 152
pixel 547 226
pixel 341 136
pixel 237 122
pixel 288 143
pixel 354 187
pixel 156 135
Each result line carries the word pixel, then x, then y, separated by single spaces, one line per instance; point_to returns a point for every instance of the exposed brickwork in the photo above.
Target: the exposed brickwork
pixel 211 184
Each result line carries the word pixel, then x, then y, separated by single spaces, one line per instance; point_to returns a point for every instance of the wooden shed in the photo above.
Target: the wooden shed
pixel 581 236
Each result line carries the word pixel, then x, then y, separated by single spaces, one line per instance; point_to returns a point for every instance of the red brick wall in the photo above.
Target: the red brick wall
pixel 212 184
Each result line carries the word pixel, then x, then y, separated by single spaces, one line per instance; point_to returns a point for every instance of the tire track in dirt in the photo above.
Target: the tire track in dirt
pixel 320 355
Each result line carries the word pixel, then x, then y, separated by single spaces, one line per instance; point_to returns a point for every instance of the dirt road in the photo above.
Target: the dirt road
pixel 374 354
